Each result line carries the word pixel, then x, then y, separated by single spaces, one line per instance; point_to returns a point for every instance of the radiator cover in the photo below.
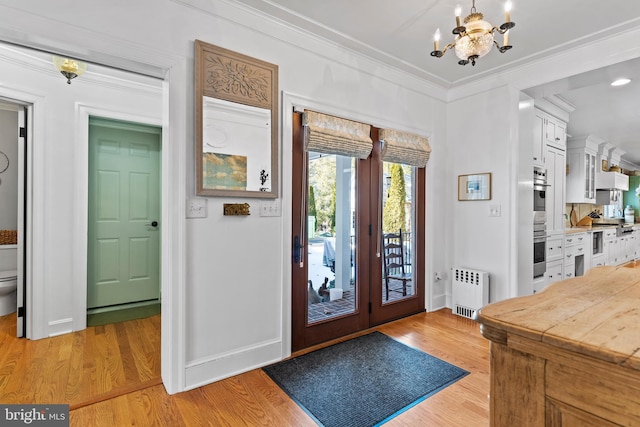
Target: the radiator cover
pixel 470 291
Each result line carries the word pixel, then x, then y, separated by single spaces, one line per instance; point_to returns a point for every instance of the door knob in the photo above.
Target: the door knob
pixel 152 224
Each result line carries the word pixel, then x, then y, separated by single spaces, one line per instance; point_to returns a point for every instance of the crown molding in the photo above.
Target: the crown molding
pixel 591 55
pixel 347 52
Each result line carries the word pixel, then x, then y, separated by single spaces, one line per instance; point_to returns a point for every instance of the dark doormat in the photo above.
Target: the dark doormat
pixel 362 382
pixel 115 316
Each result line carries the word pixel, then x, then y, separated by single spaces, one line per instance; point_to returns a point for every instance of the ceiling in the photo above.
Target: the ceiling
pixel 400 33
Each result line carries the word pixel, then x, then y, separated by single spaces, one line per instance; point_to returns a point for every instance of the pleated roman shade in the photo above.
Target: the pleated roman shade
pixel 333 135
pixel 404 147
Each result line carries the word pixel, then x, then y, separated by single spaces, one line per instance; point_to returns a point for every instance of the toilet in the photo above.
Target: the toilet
pixel 8 279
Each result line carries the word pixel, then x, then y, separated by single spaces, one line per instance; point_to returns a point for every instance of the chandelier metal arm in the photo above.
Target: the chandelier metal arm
pixel 439 53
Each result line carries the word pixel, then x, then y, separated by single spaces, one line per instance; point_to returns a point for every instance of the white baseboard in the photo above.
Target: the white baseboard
pixel 208 370
pixel 438 302
pixel 60 327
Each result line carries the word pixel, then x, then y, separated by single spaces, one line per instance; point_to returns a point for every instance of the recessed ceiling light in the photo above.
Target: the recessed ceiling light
pixel 620 82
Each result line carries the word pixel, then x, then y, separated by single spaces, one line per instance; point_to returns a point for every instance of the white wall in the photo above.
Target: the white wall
pixel 9 178
pixel 483 130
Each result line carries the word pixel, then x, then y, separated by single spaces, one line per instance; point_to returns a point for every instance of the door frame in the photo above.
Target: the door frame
pixel 293 102
pixel 33 218
pixel 82 200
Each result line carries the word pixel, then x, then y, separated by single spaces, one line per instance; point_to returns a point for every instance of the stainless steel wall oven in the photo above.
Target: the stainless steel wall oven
pixel 539 195
pixel 539 250
pixel 539 221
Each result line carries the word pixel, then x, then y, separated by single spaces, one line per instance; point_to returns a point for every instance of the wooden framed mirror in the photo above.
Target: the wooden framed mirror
pixel 236 111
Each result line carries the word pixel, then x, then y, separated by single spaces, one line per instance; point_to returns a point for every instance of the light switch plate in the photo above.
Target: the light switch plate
pixel 197 208
pixel 494 210
pixel 271 207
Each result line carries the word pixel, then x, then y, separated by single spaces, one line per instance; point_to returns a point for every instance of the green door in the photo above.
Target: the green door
pixel 124 213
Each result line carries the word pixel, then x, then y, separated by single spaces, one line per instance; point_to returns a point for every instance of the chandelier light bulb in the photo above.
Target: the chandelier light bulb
pixel 478 40
pixel 475 37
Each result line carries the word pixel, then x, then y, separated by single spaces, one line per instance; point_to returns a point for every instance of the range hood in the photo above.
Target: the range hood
pixel 610 155
pixel 612 181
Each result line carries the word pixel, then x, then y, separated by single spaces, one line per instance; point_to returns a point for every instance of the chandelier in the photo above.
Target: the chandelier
pixel 474 39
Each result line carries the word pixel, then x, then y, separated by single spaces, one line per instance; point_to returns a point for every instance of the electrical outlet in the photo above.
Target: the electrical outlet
pixel 271 207
pixel 494 210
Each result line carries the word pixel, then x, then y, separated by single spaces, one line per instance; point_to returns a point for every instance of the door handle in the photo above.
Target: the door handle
pixel 153 224
pixel 296 249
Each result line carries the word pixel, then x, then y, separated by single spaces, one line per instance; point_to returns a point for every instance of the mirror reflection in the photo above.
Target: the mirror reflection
pixel 236 146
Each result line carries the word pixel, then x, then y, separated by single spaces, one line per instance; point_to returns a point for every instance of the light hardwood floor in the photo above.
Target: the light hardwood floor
pixel 98 370
pixel 81 367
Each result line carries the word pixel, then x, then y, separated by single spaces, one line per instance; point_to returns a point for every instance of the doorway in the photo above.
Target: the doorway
pixel 123 250
pixel 13 208
pixel 339 229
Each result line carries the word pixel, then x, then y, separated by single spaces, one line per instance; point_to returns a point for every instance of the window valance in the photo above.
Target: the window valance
pixel 404 147
pixel 333 135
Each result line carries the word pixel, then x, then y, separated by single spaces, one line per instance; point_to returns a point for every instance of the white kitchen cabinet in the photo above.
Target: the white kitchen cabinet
pixel 609 246
pixel 539 283
pixel 555 194
pixel 555 131
pixel 575 254
pixel 539 139
pixel 626 248
pixel 548 130
pixel 598 261
pixel 555 271
pixel 554 248
pixel 581 164
pixel 630 247
pixel 620 250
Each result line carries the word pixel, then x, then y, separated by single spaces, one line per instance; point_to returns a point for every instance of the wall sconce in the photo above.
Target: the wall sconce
pixel 70 68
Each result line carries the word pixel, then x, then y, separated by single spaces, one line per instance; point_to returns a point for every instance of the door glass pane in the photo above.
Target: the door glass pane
pixel 331 235
pixel 397 232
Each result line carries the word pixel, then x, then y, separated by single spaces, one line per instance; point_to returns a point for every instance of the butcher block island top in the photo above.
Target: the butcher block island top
pixel 569 355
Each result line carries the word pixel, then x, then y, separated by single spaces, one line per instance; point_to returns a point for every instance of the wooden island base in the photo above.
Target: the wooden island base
pixel 567 356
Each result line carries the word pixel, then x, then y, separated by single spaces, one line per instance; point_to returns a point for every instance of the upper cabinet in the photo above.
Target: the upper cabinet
pixel 581 174
pixel 555 131
pixel 548 130
pixel 539 139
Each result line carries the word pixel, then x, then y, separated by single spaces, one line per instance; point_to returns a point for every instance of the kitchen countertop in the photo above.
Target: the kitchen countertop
pixel 574 230
pixel 584 229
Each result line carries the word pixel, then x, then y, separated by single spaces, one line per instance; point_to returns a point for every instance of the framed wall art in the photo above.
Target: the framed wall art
pixel 236 124
pixel 474 187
